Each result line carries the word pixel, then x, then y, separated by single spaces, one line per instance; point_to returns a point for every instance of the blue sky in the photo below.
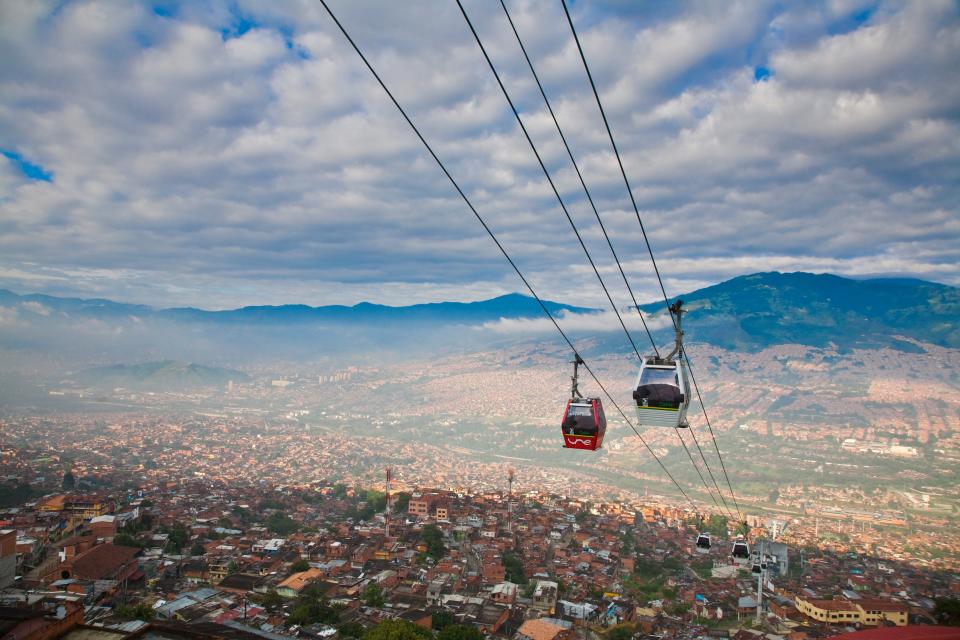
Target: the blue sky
pixel 219 154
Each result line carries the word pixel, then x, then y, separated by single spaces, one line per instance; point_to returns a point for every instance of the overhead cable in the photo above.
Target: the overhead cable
pixel 493 237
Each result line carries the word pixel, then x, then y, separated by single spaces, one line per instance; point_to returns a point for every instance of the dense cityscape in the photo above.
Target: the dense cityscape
pixel 261 506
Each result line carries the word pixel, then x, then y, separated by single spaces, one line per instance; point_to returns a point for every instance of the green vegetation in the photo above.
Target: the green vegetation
pixel 401 502
pixel 351 629
pixel 703 568
pixel 124 539
pixel 441 619
pixel 178 537
pixel 312 607
pixel 620 632
pixel 460 632
pixel 197 549
pixel 433 538
pixel 300 565
pixel 141 611
pixel 397 630
pixel 15 495
pixel 513 569
pixel 281 524
pixel 947 611
pixel 373 595
pixel 272 601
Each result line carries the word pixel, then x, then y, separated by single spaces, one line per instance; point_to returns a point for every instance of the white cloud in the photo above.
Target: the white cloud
pixel 605 321
pixel 36 308
pixel 192 167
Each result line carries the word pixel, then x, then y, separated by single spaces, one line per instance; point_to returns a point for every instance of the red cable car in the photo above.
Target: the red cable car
pixel 584 422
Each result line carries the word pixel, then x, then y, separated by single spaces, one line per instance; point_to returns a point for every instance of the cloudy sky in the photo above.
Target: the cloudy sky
pixel 219 154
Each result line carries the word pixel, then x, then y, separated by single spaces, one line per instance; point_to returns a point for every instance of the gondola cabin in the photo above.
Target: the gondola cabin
pixel 662 393
pixel 703 543
pixel 741 551
pixel 584 424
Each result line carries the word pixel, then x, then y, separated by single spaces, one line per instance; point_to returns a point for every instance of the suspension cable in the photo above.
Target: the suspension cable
pixel 703 407
pixel 546 173
pixel 583 183
pixel 653 261
pixel 596 213
pixel 493 237
pixel 696 468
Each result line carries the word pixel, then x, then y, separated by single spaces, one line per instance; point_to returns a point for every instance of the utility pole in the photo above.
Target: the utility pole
pixel 510 474
pixel 386 515
pixel 763 573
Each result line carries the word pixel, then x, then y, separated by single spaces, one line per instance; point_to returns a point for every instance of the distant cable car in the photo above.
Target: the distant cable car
pixel 703 543
pixel 662 391
pixel 584 423
pixel 741 551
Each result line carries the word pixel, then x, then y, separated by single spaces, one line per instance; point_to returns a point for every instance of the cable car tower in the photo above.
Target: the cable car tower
pixel 510 474
pixel 662 391
pixel 386 515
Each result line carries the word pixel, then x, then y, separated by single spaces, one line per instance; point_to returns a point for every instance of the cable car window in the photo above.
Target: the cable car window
pixel 579 410
pixel 659 376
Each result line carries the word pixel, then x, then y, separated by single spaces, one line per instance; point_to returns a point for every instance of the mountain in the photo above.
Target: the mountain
pixel 512 305
pixel 746 313
pixel 164 375
pixel 756 311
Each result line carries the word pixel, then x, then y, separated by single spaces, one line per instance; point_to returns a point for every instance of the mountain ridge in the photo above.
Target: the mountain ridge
pixel 749 312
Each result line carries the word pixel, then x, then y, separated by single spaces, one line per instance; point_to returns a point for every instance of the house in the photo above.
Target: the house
pixel 296 583
pixel 504 593
pixel 871 612
pixel 545 597
pixel 101 562
pixel 543 629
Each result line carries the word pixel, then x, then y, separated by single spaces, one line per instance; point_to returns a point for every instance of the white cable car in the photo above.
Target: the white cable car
pixel 703 543
pixel 741 551
pixel 662 391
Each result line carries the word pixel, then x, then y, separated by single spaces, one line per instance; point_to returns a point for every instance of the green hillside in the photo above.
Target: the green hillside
pixel 764 309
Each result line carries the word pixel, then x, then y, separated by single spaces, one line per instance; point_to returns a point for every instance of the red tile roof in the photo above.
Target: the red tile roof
pixel 102 561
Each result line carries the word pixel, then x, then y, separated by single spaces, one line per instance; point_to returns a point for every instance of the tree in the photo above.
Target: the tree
pixel 397 630
pixel 299 565
pixel 373 595
pixel 620 632
pixel 351 629
pixel 313 610
pixel 69 481
pixel 272 601
pixel 401 501
pixel 947 611
pixel 126 540
pixel 513 569
pixel 15 495
pixel 433 538
pixel 178 538
pixel 281 524
pixel 141 611
pixel 460 632
pixel 197 549
pixel 717 526
pixel 441 619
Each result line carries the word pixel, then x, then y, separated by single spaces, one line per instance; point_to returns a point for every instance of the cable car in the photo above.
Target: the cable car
pixel 703 543
pixel 741 551
pixel 757 568
pixel 662 391
pixel 584 423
